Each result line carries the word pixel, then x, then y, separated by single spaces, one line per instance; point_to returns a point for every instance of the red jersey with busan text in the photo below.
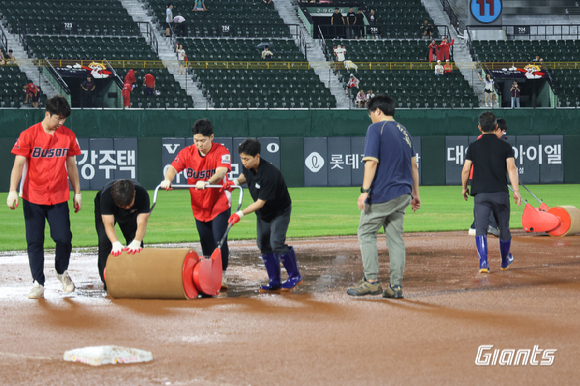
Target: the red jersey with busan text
pixel 206 204
pixel 44 178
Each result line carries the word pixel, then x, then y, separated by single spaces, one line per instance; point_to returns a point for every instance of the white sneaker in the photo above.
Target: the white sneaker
pixel 67 283
pixel 37 291
pixel 471 232
pixel 225 286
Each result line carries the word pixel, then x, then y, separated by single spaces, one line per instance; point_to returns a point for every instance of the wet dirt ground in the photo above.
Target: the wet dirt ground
pixel 317 335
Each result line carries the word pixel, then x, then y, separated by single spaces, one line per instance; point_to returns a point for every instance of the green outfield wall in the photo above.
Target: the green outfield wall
pixel 292 126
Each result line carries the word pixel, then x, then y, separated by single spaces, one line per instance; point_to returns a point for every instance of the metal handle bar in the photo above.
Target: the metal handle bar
pixel 193 186
pixel 523 199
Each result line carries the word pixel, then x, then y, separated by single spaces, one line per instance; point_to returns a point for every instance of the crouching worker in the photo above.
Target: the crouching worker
pixel 273 206
pixel 127 203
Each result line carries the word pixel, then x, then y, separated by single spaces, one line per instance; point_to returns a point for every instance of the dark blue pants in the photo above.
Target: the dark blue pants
pixel 272 235
pixel 35 217
pixel 499 205
pixel 210 234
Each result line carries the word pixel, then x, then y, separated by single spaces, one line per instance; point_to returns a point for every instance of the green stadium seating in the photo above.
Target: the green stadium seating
pixel 11 82
pixel 265 89
pixel 240 49
pixel 400 19
pixel 417 88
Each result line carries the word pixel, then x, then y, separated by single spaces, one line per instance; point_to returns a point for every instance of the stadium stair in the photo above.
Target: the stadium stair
pixel 314 54
pixel 138 11
pixel 27 67
pixel 461 55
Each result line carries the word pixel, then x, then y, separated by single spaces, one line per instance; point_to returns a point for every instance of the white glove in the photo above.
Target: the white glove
pixel 12 200
pixel 165 184
pixel 200 185
pixel 78 202
pixel 117 248
pixel 134 247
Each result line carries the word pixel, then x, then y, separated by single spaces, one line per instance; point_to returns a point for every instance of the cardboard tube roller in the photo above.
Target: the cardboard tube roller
pixel 569 220
pixel 153 273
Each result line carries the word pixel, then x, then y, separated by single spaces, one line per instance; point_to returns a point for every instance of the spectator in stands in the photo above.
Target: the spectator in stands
pixel 181 58
pixel 515 90
pixel 443 49
pixel 199 5
pixel 373 23
pixel 180 27
pixel 337 21
pixel 149 83
pixel 2 58
pixel 168 19
pixel 127 89
pixel 88 87
pixel 427 29
pixel 538 59
pixel 432 50
pixel 352 84
pixel 488 90
pixel 267 54
pixel 439 70
pixel 11 58
pixel 448 67
pixel 350 21
pixel 370 95
pixel 130 77
pixel 361 98
pixel 32 94
pixel 359 24
pixel 340 53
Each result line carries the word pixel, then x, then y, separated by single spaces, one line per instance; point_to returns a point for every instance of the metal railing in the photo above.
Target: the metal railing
pixel 59 80
pixel 272 65
pixel 79 27
pixel 384 31
pixel 3 39
pixel 535 32
pixel 236 30
pixel 455 22
pixel 116 76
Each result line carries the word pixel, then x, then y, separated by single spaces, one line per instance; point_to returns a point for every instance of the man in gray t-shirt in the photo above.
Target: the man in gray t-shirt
pixel 168 19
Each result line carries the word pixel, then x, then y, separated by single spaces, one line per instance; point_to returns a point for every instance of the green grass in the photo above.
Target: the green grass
pixel 316 212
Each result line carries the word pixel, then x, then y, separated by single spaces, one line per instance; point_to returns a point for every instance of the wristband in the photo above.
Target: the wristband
pixel 236 182
pixel 240 214
pixel 77 194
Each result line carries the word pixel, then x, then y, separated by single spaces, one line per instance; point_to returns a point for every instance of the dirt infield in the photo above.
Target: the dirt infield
pixel 317 335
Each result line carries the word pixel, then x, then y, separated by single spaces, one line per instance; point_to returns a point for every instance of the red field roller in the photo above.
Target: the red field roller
pixel 166 273
pixel 558 221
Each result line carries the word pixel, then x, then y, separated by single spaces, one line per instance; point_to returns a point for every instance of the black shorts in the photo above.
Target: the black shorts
pixel 488 91
pixel 168 25
pixel 33 98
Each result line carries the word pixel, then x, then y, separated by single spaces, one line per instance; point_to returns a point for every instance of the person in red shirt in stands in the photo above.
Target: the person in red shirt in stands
pixel 127 89
pixel 45 159
pixel 32 93
pixel 130 77
pixel 149 83
pixel 206 163
pixel 443 49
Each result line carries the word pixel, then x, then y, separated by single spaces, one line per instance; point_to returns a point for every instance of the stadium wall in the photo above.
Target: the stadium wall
pixel 435 127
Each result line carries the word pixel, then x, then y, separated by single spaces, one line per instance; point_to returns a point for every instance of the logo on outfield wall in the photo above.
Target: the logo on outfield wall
pixel 314 162
pixel 510 357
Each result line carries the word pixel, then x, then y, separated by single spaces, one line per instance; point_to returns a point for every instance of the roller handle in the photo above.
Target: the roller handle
pixel 241 198
pixel 533 195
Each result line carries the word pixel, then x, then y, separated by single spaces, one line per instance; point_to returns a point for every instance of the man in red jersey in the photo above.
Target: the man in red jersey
pixel 45 157
pixel 206 163
pixel 127 88
pixel 32 94
pixel 149 83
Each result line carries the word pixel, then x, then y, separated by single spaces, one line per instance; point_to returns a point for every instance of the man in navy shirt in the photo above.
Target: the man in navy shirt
pixel 273 206
pixel 491 157
pixel 390 184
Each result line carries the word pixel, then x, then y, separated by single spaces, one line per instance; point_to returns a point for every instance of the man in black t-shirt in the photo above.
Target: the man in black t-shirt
pixel 126 203
pixel 491 157
pixel 273 206
pixel 359 24
pixel 337 22
pixel 350 21
pixel 88 87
